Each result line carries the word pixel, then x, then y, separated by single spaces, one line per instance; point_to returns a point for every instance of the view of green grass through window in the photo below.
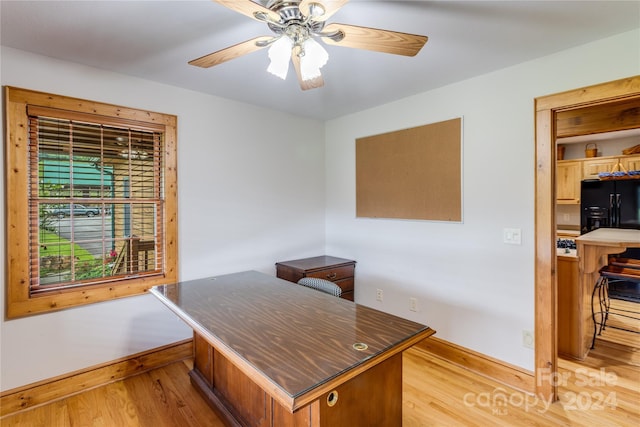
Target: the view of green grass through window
pixel 95 203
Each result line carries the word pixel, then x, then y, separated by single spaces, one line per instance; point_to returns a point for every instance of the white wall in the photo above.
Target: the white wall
pixel 248 197
pixel 473 289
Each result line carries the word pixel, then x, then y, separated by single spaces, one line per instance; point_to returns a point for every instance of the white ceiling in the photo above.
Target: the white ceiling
pixel 154 40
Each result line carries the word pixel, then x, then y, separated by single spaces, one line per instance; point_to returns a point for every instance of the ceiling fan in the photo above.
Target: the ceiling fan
pixel 296 24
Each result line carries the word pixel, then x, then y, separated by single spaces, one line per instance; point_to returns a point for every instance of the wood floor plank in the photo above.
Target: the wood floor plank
pixel 103 406
pixel 150 401
pixel 183 403
pixel 55 414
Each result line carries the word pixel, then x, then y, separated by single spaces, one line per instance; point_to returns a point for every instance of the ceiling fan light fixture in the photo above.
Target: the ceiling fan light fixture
pixel 316 10
pixel 313 57
pixel 279 54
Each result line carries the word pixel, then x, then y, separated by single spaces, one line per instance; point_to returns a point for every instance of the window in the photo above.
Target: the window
pixel 91 201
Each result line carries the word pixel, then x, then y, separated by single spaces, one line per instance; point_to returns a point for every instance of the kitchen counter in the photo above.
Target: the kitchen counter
pixel 594 249
pixel 572 253
pixel 616 237
pixel 596 246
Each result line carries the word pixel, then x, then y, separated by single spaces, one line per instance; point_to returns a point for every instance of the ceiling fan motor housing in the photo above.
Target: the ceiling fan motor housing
pixel 290 15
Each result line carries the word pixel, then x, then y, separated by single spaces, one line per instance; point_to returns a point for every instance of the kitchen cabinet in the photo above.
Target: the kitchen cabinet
pixel 568 176
pixel 338 270
pixel 569 303
pixel 592 167
pixel 569 173
pixel 631 163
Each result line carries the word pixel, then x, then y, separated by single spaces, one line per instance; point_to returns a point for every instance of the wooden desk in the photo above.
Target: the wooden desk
pixel 272 353
pixel 594 249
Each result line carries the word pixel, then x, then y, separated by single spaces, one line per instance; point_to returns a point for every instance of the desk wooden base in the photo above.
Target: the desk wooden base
pixel 373 398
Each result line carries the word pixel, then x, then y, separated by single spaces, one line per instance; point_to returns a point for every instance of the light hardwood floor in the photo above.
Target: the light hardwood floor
pixel 603 390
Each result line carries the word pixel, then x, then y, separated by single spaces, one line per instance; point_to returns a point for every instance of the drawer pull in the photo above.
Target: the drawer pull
pixel 332 398
pixel 332 276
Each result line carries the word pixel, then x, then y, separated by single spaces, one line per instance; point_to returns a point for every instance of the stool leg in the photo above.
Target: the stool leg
pixel 606 303
pixel 596 289
pixel 602 289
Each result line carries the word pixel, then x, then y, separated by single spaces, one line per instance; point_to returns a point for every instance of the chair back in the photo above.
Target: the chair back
pixel 321 285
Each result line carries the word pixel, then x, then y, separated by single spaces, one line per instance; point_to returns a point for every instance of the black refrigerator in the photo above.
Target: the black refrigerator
pixel 609 204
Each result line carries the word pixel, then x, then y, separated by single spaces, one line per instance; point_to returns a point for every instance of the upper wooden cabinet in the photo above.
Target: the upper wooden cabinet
pixel 631 163
pixel 571 172
pixel 592 167
pixel 569 175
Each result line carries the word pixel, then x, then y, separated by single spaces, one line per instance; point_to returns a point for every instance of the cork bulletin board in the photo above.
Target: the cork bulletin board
pixel 412 173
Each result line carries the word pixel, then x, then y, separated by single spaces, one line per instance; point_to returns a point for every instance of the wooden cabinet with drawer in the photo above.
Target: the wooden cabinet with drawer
pixel 338 270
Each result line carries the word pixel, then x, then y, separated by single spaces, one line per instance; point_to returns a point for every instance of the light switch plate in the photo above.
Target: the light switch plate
pixel 512 236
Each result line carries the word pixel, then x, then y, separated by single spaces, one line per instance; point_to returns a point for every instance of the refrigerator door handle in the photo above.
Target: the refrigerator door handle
pixel 613 211
pixel 618 208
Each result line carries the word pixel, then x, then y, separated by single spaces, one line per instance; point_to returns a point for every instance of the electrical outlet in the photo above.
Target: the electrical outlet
pixel 413 304
pixel 566 217
pixel 379 295
pixel 527 339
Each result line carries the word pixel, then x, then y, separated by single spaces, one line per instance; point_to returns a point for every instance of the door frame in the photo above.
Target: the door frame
pixel 546 107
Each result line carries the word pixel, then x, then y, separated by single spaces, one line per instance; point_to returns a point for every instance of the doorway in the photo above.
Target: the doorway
pixel 547 108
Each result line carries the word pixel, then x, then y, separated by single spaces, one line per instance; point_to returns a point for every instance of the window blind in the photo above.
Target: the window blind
pixel 95 200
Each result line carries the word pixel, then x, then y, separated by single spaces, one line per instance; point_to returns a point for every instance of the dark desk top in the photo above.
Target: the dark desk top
pixel 294 337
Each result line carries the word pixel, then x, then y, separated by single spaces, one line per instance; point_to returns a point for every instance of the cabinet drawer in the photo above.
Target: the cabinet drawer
pixel 347 295
pixel 345 284
pixel 333 273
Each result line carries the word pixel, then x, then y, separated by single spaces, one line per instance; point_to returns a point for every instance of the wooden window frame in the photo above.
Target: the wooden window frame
pixel 20 302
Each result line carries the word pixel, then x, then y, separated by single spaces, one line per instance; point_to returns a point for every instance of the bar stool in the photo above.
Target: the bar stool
pixel 618 269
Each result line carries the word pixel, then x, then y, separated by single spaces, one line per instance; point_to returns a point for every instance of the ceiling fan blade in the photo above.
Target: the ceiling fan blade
pixel 231 52
pixel 250 9
pixel 307 7
pixel 305 84
pixel 374 39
